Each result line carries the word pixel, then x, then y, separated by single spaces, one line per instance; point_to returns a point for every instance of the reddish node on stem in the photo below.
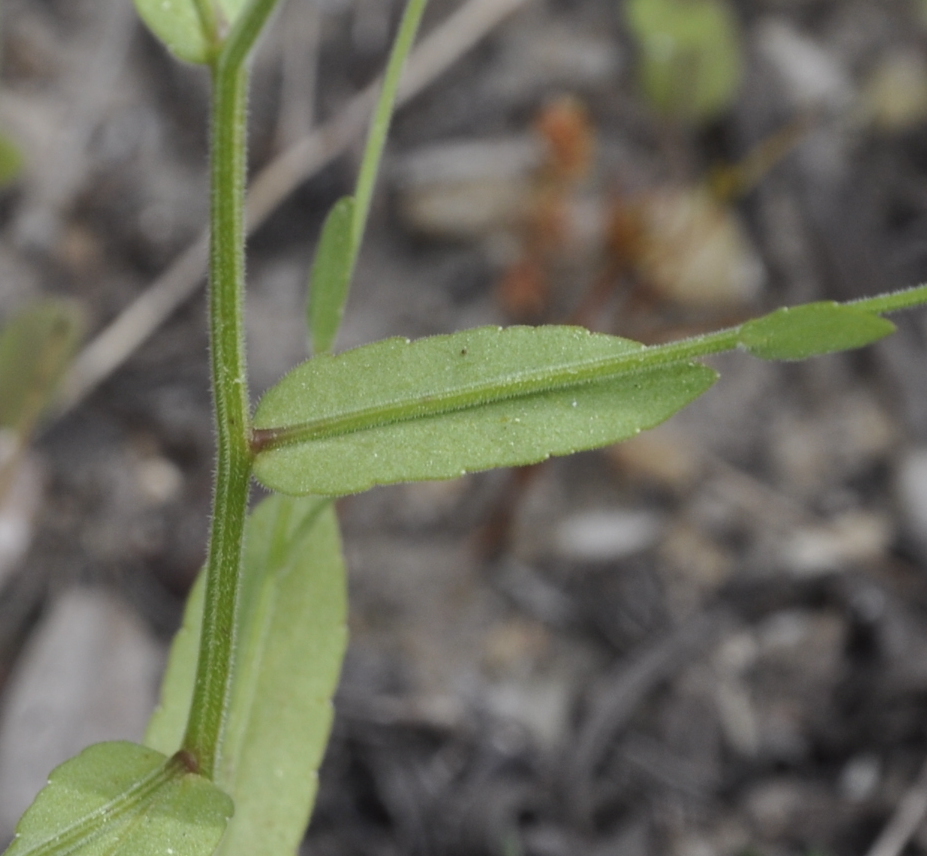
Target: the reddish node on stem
pixel 186 759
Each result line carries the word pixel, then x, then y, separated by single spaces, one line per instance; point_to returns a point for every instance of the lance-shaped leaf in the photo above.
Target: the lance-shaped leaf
pixel 798 332
pixel 288 657
pixel 436 408
pixel 181 26
pixel 121 799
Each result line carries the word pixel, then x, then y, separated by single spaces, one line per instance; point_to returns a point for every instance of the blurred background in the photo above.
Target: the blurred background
pixel 709 641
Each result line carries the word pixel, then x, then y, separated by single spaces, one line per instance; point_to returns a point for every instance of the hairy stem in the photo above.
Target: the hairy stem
pixel 904 298
pixel 230 394
pixel 228 159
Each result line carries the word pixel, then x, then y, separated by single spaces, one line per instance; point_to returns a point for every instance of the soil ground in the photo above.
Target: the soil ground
pixel 709 640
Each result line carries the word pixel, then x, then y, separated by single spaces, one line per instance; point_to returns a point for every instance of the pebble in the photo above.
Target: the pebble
pixel 695 251
pixel 812 77
pixel 538 60
pixel 602 535
pixel 661 457
pixel 466 189
pixel 860 777
pixel 851 539
pixel 159 479
pixel 895 93
pixel 910 484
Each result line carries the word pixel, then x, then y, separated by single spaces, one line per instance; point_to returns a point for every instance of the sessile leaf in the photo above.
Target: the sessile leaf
pixel 433 409
pixel 121 799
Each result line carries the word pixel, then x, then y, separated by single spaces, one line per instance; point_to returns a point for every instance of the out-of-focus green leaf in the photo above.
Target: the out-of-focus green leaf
pixel 799 332
pixel 436 408
pixel 331 275
pixel 35 349
pixel 288 657
pixel 121 799
pixel 689 55
pixel 178 24
pixel 11 161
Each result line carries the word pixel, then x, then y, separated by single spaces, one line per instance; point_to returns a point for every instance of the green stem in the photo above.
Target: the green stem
pixel 892 302
pixel 228 158
pixel 233 467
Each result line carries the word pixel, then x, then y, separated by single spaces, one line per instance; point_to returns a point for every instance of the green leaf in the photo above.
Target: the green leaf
pixel 331 275
pixel 689 55
pixel 179 24
pixel 121 799
pixel 288 657
pixel 11 161
pixel 35 349
pixel 439 407
pixel 798 332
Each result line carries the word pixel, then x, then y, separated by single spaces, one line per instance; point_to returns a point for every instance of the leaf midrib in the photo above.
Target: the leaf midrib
pixel 523 384
pixel 136 797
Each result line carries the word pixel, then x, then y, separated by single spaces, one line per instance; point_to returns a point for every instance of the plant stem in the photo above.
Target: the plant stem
pixel 892 302
pixel 232 419
pixel 228 159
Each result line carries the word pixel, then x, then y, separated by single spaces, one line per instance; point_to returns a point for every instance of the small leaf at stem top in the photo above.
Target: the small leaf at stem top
pixel 179 25
pixel 798 332
pixel 121 799
pixel 433 409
